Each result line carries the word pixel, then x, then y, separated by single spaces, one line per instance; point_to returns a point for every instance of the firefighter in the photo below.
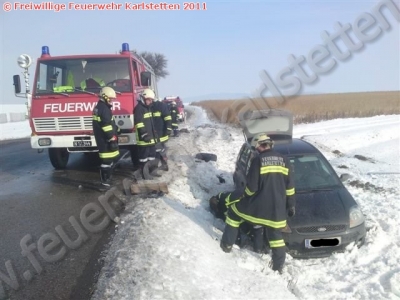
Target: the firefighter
pixel 162 124
pixel 174 116
pixel 145 132
pixel 219 205
pixel 267 200
pixel 105 132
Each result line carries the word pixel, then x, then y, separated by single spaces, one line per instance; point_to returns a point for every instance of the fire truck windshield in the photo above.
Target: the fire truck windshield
pixel 88 75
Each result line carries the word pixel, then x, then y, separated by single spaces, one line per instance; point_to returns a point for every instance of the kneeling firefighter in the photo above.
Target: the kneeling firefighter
pixel 105 132
pixel 219 206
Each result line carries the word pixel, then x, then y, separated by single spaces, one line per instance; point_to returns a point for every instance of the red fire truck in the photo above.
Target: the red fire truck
pixel 65 92
pixel 179 105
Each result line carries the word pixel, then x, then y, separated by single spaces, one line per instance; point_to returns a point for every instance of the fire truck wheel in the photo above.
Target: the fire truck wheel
pixel 59 157
pixel 206 157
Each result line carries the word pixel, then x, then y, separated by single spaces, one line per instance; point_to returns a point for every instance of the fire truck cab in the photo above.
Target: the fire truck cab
pixel 65 92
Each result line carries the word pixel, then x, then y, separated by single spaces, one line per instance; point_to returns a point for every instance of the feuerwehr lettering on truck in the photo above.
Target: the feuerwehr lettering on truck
pixel 74 107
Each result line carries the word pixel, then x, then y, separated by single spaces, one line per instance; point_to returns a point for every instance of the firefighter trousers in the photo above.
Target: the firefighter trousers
pixel 273 235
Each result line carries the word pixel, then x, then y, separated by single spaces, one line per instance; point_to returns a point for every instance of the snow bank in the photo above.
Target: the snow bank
pixel 168 248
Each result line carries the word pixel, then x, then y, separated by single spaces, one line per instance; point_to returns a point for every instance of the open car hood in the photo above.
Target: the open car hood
pixel 277 123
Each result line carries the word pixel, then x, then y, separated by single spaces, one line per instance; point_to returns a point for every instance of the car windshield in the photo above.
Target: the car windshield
pixel 311 172
pixel 87 75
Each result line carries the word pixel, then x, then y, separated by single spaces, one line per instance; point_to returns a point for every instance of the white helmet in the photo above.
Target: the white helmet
pixel 148 94
pixel 262 139
pixel 173 103
pixel 107 93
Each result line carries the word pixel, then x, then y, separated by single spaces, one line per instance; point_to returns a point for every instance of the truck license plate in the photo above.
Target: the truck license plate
pixel 82 143
pixel 316 243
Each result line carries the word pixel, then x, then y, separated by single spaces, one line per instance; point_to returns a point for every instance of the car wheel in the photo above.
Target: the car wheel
pixel 206 157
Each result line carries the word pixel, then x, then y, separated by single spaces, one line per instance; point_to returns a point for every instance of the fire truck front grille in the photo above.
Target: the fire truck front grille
pixel 63 124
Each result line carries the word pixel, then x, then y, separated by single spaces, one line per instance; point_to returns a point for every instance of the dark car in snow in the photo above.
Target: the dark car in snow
pixel 327 217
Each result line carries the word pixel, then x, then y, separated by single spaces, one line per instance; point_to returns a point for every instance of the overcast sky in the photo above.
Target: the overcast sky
pixel 218 50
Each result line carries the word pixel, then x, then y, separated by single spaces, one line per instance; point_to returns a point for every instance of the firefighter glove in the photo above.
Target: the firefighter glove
pixel 159 147
pixel 113 145
pixel 146 138
pixel 291 212
pixel 113 139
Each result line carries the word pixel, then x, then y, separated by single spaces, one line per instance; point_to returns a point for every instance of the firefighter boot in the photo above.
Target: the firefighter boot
pixel 278 259
pixel 164 164
pixel 139 174
pixel 225 247
pixel 105 175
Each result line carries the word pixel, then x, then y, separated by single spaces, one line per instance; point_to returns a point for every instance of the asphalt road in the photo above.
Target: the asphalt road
pixel 34 200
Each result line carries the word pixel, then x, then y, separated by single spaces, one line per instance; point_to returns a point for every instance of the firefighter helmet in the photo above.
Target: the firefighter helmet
pixel 108 94
pixel 148 94
pixel 173 103
pixel 260 139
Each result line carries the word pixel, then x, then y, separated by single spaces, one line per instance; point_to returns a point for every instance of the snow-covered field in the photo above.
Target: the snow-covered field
pixel 14 130
pixel 168 248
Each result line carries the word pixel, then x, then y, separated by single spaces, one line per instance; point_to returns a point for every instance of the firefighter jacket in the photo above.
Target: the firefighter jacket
pixel 174 117
pixel 161 120
pixel 269 191
pixel 104 128
pixel 144 124
pixel 223 202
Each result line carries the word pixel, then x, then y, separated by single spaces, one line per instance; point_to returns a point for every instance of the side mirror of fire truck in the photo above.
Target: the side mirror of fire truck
pixel 24 61
pixel 145 78
pixel 17 84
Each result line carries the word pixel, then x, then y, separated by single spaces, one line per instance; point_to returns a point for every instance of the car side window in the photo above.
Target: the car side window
pixel 245 153
pixel 251 156
pixel 240 154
